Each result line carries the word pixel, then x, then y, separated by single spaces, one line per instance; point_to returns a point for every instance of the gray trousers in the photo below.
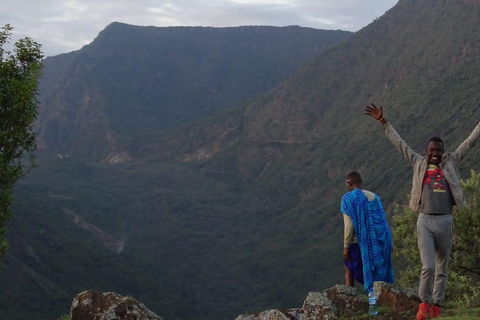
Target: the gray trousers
pixel 435 242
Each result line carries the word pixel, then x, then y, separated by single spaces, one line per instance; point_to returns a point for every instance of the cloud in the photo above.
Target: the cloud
pixel 64 26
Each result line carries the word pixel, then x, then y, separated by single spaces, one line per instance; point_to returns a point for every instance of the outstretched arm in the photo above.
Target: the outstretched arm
pixel 376 113
pixel 393 136
pixel 462 150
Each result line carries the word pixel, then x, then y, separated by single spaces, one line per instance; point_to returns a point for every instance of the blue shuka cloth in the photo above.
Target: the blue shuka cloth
pixel 373 236
pixel 355 264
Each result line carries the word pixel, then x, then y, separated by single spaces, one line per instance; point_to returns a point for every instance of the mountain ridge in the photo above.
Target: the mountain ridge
pixel 390 77
pixel 130 80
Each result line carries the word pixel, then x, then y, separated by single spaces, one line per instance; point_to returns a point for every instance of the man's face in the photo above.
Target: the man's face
pixel 434 152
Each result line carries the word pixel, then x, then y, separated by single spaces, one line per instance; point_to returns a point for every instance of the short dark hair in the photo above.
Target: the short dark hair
pixel 354 177
pixel 436 139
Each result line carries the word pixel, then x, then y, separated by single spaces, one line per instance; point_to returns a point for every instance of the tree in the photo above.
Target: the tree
pixel 20 71
pixel 464 266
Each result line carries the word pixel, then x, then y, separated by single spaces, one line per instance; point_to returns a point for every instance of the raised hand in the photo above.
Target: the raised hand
pixel 373 111
pixel 376 113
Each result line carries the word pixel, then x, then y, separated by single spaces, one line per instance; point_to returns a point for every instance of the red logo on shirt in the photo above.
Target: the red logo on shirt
pixel 435 175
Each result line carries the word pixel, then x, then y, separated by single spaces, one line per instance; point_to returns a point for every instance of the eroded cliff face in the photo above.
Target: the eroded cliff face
pixel 102 103
pixel 134 81
pixel 71 118
pixel 415 51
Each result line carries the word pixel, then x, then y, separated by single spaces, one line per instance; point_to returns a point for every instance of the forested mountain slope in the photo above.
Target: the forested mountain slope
pixel 131 81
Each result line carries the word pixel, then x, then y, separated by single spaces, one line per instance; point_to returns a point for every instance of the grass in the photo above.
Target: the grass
pixel 459 313
pixel 452 311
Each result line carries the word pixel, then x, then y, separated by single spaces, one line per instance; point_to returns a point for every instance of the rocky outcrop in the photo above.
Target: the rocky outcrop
pixel 344 302
pixel 91 305
pixel 348 300
pixel 338 302
pixel 275 314
pixel 318 306
pixel 398 301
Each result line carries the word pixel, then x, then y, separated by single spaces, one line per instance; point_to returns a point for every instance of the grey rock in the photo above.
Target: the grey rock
pixel 92 305
pixel 344 302
pixel 397 300
pixel 317 306
pixel 348 300
pixel 275 314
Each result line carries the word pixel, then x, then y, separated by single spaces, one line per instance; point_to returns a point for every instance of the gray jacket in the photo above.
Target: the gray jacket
pixel 449 165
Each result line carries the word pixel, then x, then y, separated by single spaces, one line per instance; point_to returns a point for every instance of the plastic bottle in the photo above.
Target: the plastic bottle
pixel 372 303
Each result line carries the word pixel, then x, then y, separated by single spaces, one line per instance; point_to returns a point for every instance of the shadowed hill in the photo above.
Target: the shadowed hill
pixel 420 60
pixel 132 80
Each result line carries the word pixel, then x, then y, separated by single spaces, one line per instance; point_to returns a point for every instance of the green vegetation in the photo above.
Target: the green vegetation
pixel 19 74
pixel 458 311
pixel 132 81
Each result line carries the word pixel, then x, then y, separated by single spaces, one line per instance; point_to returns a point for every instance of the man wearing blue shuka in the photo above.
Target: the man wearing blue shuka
pixel 367 237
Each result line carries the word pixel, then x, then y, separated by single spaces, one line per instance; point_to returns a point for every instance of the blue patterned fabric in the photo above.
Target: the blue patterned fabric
pixel 373 236
pixel 355 264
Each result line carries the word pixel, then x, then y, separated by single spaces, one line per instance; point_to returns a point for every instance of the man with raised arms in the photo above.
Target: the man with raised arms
pixel 436 188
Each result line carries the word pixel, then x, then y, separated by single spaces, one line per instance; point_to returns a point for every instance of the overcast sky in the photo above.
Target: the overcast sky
pixel 68 25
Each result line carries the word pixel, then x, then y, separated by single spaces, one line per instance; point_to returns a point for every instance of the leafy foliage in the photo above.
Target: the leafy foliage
pixel 464 280
pixel 19 74
pixel 466 249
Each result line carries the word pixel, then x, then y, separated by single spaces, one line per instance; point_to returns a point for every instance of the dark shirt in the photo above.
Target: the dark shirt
pixel 436 195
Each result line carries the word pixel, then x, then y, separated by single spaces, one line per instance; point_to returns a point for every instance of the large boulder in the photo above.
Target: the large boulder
pixel 318 306
pixel 344 302
pixel 275 314
pixel 92 305
pixel 397 300
pixel 348 300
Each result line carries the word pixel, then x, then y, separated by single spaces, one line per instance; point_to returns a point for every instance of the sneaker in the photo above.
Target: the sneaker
pixel 423 309
pixel 434 312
